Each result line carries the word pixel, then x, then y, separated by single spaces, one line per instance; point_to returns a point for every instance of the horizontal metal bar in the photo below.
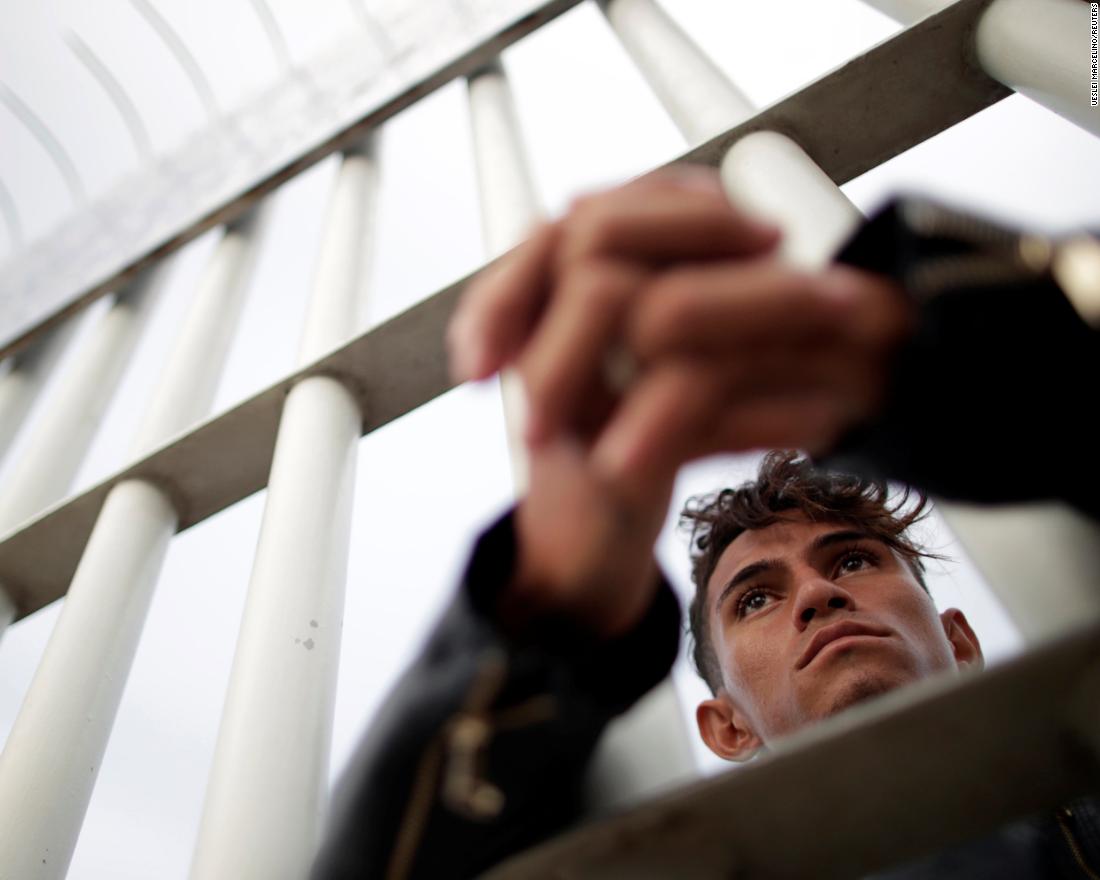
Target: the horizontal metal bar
pixel 399 365
pixel 210 181
pixel 899 93
pixel 908 88
pixel 890 781
pixel 391 369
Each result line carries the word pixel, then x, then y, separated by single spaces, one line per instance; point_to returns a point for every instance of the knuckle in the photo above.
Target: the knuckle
pixel 816 297
pixel 533 380
pixel 677 288
pixel 487 293
pixel 668 307
pixel 804 286
pixel 592 227
pixel 578 204
pixel 599 286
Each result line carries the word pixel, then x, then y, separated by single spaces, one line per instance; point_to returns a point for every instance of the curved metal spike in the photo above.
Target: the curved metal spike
pixel 139 134
pixel 275 34
pixel 277 39
pixel 10 212
pixel 182 54
pixel 463 9
pixel 48 140
pixel 374 30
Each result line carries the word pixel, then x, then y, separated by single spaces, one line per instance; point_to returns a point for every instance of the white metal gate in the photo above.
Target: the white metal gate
pixel 102 548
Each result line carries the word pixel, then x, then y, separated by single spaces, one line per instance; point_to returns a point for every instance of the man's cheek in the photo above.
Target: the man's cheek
pixel 754 672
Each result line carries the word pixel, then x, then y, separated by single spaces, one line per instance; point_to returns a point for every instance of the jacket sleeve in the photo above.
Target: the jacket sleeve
pixel 480 750
pixel 989 401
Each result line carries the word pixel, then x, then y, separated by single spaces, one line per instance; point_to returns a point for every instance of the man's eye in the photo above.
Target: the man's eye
pixel 751 601
pixel 855 560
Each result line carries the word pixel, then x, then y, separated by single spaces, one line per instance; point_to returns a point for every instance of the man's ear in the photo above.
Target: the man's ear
pixel 725 729
pixel 964 644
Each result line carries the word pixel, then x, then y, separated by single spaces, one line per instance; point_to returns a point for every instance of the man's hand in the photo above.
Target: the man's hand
pixel 557 304
pixel 734 351
pixel 554 307
pixel 739 356
pixel 583 551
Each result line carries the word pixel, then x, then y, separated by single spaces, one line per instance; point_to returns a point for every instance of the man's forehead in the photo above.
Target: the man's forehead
pixel 788 537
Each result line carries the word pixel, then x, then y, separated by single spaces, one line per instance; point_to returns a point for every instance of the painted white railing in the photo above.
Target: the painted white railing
pixel 102 548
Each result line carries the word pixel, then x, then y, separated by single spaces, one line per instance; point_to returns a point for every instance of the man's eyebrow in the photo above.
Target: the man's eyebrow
pixel 746 574
pixel 844 536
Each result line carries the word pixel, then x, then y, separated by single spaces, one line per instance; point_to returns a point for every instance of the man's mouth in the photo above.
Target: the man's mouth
pixel 834 631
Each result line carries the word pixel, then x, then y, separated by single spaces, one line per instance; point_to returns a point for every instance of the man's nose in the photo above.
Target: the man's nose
pixel 819 596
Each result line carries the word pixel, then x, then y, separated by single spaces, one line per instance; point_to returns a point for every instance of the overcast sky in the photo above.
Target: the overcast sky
pixel 428 482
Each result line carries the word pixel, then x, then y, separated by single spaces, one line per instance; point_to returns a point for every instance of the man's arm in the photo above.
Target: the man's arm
pixel 480 750
pixel 563 620
pixel 994 379
pixel 941 355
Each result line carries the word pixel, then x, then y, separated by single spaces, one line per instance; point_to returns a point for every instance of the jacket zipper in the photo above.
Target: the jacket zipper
pixel 416 813
pixel 486 685
pixel 1063 815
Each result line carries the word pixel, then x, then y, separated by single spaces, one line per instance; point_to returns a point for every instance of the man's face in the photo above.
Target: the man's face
pixel 808 618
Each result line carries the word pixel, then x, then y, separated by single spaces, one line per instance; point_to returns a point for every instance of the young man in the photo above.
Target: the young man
pixel 809 593
pixel 810 597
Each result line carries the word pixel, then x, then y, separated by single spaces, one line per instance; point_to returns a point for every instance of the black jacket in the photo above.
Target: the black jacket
pixel 481 749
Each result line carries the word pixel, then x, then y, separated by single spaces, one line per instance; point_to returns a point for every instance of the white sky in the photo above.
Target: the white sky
pixel 428 482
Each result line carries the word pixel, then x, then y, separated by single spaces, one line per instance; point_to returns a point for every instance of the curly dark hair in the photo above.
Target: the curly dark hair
pixel 789 482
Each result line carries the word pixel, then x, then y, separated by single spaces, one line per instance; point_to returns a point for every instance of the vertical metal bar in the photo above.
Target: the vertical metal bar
pixel 509 208
pixel 52 756
pixel 267 792
pixel 759 170
pixel 186 388
pixel 697 95
pixel 50 762
pixel 20 383
pixel 623 768
pixel 7 611
pixel 908 11
pixel 770 175
pixel 1040 48
pixel 63 429
pixel 703 101
pixel 26 372
pixel 510 205
pixel 1009 544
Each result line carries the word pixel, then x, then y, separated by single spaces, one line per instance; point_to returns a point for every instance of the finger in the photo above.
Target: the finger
pixel 683 175
pixel 724 306
pixel 812 421
pixel 500 307
pixel 669 417
pixel 656 224
pixel 694 408
pixel 882 313
pixel 749 374
pixel 564 358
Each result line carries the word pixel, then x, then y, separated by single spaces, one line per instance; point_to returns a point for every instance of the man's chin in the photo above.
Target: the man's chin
pixel 858 688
